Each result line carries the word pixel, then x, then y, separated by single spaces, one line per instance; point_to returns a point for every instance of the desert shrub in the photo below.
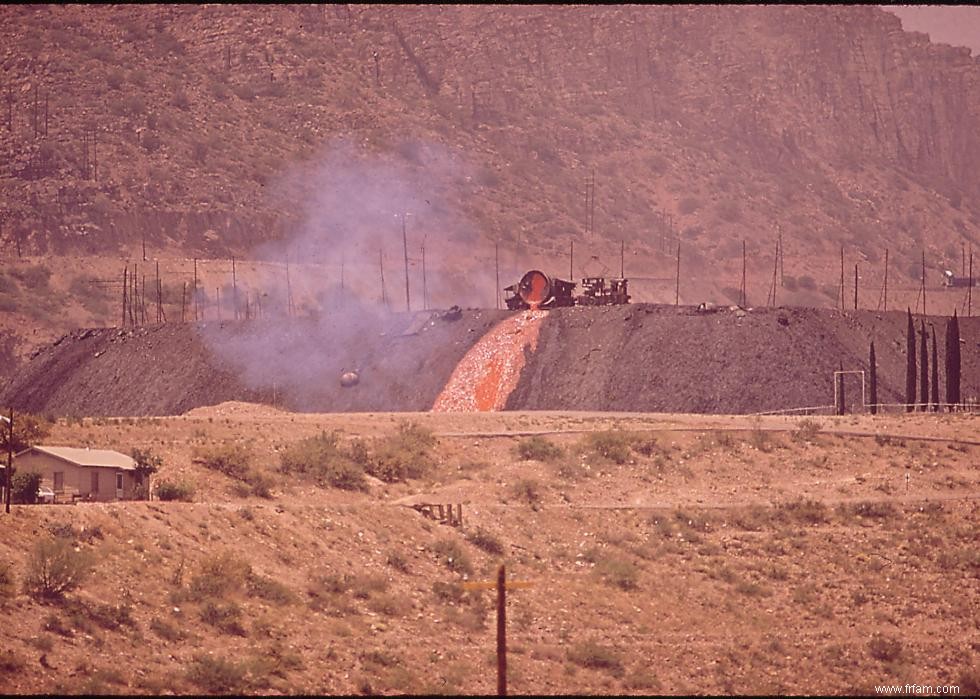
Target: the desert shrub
pixel 217 675
pixel 388 605
pixel 11 663
pixel 181 100
pixel 230 459
pixel 405 454
pixel 23 487
pixel 481 538
pixel 363 586
pixel 269 589
pixel 106 616
pixel 596 657
pixel 166 630
pixel 538 449
pixel 619 572
pixel 7 587
pixel 527 489
pixel 884 648
pixel 397 561
pixel 611 445
pixel 806 431
pixel 873 510
pixel 322 458
pixel 220 575
pixel 55 568
pixel 803 511
pixel 761 440
pixel 169 490
pixel 447 592
pixel 225 617
pixel 453 555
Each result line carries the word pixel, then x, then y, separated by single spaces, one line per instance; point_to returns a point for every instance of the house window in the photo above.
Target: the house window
pixel 119 481
pixel 59 481
pixel 95 481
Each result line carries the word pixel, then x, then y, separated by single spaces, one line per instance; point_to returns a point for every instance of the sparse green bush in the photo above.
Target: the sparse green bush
pixel 55 568
pixel 611 445
pixel 884 648
pixel 596 657
pixel 453 555
pixel 322 458
pixel 405 454
pixel 230 459
pixel 226 617
pixel 217 675
pixel 538 449
pixel 168 490
pixel 481 538
pixel 528 490
pixel 806 431
pixel 166 630
pixel 220 575
pixel 619 572
pixel 7 586
pixel 23 487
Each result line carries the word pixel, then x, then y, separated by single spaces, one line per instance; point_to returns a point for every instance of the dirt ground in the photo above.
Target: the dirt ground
pixel 726 554
pixel 640 357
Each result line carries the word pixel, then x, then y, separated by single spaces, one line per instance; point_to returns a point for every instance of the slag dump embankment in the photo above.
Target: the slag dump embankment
pixel 638 357
pixel 486 376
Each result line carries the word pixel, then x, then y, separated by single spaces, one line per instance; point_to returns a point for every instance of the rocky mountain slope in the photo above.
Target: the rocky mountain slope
pixel 314 133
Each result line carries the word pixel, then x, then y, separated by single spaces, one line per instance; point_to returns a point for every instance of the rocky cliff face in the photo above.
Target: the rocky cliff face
pixel 704 125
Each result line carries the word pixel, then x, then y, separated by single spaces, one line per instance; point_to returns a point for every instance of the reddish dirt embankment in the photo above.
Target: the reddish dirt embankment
pixel 638 357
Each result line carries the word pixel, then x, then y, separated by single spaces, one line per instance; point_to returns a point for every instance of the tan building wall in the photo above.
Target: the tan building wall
pixel 77 479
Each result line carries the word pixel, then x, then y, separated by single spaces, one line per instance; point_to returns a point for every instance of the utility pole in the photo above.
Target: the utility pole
pixel 855 286
pixel 571 262
pixel 496 267
pixel 923 282
pixel 408 298
pixel 742 299
pixel 886 279
pixel 10 460
pixel 842 277
pixel 969 289
pixel 194 293
pixel 677 286
pixel 622 259
pixel 125 291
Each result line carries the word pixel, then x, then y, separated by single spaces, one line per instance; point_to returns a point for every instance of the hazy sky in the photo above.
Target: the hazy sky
pixel 945 24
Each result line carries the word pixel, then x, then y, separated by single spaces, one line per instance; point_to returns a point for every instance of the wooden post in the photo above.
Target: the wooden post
pixel 159 299
pixel 501 627
pixel 381 263
pixel 571 262
pixel 183 302
pixel 143 238
pixel 742 299
pixel 886 279
pixel 496 267
pixel 775 271
pixel 408 298
pixel 10 460
pixel 923 282
pixel 234 288
pixel 842 277
pixel 969 289
pixel 194 293
pixel 125 293
pixel 855 286
pixel 677 285
pixel 143 301
pixel 622 259
pixel 782 271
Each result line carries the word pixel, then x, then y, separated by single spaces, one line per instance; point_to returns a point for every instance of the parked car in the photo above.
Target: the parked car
pixel 45 495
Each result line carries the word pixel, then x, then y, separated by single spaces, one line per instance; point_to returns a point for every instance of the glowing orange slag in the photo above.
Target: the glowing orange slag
pixel 489 372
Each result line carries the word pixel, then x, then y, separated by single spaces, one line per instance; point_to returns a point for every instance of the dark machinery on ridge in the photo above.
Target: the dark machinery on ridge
pixel 537 290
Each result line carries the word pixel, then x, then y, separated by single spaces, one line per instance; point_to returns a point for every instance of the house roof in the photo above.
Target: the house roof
pixel 105 458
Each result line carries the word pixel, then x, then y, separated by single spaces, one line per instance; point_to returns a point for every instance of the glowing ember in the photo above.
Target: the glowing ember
pixel 490 370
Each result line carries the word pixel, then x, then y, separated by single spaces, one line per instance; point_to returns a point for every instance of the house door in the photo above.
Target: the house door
pixel 119 485
pixel 94 489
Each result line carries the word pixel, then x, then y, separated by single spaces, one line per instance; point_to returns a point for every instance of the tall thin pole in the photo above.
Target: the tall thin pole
pixel 234 288
pixel 425 291
pixel 855 286
pixel 408 298
pixel 677 285
pixel 571 262
pixel 622 259
pixel 782 271
pixel 923 282
pixel 125 293
pixel 742 299
pixel 10 459
pixel 381 263
pixel 501 632
pixel 886 279
pixel 775 272
pixel 194 293
pixel 969 289
pixel 183 302
pixel 842 277
pixel 496 267
pixel 159 300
